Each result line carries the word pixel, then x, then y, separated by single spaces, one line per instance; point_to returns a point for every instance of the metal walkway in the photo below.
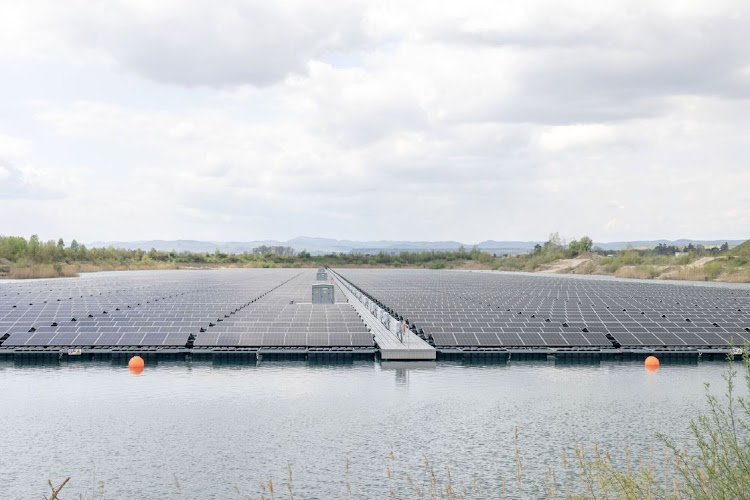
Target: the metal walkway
pixel 392 346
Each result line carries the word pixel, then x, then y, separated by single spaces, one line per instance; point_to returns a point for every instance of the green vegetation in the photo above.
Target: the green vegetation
pixel 32 258
pixel 20 258
pixel 695 263
pixel 552 251
pixel 742 250
pixel 719 466
pixel 716 465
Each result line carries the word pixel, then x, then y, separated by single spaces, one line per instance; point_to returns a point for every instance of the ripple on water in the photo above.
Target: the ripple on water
pixel 217 427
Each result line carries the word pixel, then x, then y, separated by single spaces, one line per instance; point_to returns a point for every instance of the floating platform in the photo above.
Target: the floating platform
pixel 247 315
pixel 37 355
pixel 394 342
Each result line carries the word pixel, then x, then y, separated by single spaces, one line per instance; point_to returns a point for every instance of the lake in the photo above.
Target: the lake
pixel 223 429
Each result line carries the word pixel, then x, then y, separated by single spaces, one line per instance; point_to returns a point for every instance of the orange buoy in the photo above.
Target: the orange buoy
pixel 652 363
pixel 136 364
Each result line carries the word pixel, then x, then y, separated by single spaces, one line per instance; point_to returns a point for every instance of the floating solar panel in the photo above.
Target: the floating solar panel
pixel 232 307
pixel 467 309
pixel 286 317
pixel 272 308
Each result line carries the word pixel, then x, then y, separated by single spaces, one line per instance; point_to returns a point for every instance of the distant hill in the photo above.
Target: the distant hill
pixel 316 246
pixel 319 246
pixel 508 244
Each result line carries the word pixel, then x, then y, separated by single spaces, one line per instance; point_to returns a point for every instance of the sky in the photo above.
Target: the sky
pixel 400 120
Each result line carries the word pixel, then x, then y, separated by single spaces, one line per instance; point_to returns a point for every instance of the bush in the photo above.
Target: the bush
pixel 630 258
pixel 610 264
pixel 720 468
pixel 713 269
pixel 683 260
pixel 640 272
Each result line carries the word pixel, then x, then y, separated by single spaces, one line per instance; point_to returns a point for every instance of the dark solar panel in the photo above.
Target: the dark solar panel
pixel 271 308
pixel 471 309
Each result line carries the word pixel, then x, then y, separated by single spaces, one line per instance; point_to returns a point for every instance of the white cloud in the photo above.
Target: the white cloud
pixel 195 43
pixel 576 136
pixel 13 148
pixel 476 120
pixel 22 179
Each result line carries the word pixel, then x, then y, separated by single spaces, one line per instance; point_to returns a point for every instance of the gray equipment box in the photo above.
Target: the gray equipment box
pixel 322 293
pixel 322 276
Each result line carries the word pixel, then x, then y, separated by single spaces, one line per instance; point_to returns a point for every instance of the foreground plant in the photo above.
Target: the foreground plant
pixel 56 489
pixel 717 468
pixel 721 468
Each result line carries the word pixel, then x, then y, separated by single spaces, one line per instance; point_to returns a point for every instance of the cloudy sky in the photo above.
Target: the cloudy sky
pixel 242 120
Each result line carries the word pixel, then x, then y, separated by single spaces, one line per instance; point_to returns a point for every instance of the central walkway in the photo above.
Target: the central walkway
pixel 392 346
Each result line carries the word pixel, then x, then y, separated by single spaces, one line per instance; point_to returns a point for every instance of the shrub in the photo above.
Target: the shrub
pixel 713 269
pixel 630 258
pixel 640 272
pixel 683 260
pixel 720 468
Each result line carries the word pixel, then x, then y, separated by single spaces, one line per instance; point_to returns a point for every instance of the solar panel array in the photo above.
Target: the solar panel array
pixel 455 308
pixel 286 317
pixel 167 308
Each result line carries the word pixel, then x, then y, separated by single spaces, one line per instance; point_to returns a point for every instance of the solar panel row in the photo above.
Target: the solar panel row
pixel 242 307
pixel 493 309
pixel 287 318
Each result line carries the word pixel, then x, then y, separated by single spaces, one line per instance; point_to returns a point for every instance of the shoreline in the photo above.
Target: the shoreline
pixel 470 266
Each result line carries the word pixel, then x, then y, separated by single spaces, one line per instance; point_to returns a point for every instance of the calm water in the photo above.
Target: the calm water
pixel 221 427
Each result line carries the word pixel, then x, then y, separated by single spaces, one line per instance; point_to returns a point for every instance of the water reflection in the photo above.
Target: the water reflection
pixel 402 369
pixel 220 424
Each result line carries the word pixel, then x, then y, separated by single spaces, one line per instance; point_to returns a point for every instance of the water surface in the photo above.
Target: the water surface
pixel 218 427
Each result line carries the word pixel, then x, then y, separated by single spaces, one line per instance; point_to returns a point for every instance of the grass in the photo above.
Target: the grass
pixel 742 276
pixel 42 271
pixel 718 468
pixel 728 269
pixel 741 250
pixel 689 274
pixel 641 272
pixel 585 268
pixel 628 264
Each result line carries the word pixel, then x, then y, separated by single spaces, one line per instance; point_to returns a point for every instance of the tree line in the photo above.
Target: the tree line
pixel 20 252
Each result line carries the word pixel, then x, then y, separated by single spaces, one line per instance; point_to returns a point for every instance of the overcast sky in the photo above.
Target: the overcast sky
pixel 243 120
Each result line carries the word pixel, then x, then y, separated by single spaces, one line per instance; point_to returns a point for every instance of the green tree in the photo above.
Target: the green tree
pixel 13 247
pixel 34 250
pixel 554 243
pixel 60 250
pixel 577 247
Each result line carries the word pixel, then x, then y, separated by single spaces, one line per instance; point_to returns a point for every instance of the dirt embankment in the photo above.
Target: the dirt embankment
pixel 564 265
pixel 708 268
